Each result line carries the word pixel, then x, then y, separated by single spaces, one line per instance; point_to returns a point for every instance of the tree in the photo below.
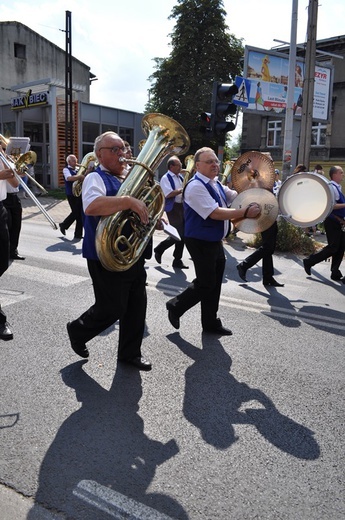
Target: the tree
pixel 203 51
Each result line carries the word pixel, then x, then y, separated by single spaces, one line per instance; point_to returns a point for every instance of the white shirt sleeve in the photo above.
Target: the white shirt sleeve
pixel 165 185
pixel 199 199
pixel 66 173
pixel 93 187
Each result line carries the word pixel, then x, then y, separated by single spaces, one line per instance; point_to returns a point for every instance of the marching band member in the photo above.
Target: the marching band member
pixel 6 175
pixel 334 227
pixel 207 218
pixel 172 186
pixel 119 295
pixel 70 176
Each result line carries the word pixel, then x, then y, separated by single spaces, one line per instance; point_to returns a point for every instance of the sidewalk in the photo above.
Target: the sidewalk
pixel 57 209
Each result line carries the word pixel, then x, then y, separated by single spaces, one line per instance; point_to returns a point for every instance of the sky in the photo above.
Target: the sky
pixel 119 41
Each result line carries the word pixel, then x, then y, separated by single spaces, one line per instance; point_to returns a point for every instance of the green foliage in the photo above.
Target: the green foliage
pixel 290 239
pixel 59 193
pixel 203 51
pixel 232 148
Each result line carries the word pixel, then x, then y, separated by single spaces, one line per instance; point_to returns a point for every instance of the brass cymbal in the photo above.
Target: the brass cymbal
pixel 269 210
pixel 252 170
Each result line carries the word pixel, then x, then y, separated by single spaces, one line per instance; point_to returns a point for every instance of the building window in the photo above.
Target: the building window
pixel 109 128
pixel 20 51
pixel 127 134
pixel 274 129
pixel 34 131
pixel 318 135
pixel 90 131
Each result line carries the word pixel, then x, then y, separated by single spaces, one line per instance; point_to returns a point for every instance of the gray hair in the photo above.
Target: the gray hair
pixel 99 140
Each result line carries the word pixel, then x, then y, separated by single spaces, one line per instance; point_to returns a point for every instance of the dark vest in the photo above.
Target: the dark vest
pixel 112 185
pixel 204 229
pixel 69 184
pixel 339 212
pixel 169 202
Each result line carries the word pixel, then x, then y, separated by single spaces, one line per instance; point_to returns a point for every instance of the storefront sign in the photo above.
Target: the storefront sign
pixel 29 100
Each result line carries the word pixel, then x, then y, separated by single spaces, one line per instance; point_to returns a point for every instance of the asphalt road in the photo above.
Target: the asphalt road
pixel 241 427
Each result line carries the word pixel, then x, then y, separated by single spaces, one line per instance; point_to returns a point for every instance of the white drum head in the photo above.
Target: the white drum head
pixel 305 199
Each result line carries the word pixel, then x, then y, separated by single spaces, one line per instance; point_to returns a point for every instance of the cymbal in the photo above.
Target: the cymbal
pixel 252 170
pixel 269 210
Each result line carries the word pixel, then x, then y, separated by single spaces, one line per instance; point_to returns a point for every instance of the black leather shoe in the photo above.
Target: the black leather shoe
pixel 179 264
pixel 78 347
pixel 307 266
pixel 5 332
pixel 62 229
pixel 337 277
pixel 173 318
pixel 242 272
pixel 272 283
pixel 139 362
pixel 17 257
pixel 158 257
pixel 222 331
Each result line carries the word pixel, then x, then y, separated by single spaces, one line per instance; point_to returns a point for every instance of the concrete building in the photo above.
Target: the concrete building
pixel 33 102
pixel 265 132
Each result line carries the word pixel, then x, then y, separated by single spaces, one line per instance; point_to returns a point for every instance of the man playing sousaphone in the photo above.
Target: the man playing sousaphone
pixel 119 295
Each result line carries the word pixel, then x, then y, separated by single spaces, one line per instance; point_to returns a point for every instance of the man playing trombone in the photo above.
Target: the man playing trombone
pixel 6 175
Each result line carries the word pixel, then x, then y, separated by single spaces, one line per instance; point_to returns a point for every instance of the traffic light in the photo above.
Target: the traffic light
pixel 223 107
pixel 206 124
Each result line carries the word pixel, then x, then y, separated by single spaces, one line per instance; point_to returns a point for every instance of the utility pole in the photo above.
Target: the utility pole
pixel 289 116
pixel 68 87
pixel 308 86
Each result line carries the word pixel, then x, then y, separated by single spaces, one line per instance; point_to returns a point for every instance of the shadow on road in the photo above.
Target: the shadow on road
pixel 101 462
pixel 214 401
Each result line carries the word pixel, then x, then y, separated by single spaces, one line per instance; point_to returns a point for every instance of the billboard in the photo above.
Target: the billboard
pixel 264 85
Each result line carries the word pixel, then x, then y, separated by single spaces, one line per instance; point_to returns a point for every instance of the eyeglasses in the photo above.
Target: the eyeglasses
pixel 114 149
pixel 211 161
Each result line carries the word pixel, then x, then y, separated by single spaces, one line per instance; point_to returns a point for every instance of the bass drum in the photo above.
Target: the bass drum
pixel 305 199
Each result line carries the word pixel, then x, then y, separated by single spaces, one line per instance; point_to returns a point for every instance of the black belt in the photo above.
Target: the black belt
pixel 12 194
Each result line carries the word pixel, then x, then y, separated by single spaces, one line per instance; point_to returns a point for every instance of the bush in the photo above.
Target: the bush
pixel 59 193
pixel 290 239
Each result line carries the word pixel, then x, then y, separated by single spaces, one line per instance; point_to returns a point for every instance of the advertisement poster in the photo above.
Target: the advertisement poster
pixel 266 80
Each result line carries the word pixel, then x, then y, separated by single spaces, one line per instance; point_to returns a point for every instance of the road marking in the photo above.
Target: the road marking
pixel 263 308
pixel 115 504
pixel 48 276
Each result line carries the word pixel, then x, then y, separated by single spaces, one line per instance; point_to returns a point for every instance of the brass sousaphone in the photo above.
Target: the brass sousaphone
pixel 253 178
pixel 122 238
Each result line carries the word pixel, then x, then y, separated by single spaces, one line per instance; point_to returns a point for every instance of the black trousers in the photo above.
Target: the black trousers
pixel 14 213
pixel 335 246
pixel 118 296
pixel 264 252
pixel 76 215
pixel 4 240
pixel 176 219
pixel 209 264
pixel 4 249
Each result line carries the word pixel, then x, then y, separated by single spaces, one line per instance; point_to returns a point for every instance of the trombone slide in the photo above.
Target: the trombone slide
pixel 10 165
